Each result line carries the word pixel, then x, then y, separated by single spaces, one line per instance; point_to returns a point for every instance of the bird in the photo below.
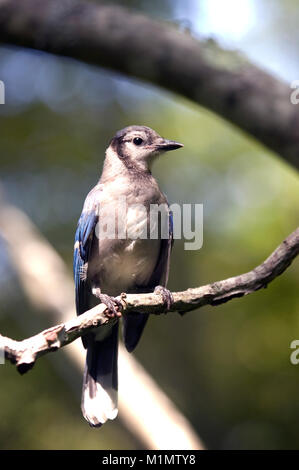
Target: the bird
pixel 104 267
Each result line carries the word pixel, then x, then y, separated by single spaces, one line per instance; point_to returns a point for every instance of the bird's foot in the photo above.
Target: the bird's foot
pixel 114 306
pixel 166 295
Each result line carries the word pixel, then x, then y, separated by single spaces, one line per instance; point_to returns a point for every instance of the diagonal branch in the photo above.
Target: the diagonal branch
pixel 132 44
pixel 24 353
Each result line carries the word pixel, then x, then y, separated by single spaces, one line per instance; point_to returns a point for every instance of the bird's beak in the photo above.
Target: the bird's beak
pixel 165 145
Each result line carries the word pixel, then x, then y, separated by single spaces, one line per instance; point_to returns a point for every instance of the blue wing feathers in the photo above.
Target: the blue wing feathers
pixel 83 240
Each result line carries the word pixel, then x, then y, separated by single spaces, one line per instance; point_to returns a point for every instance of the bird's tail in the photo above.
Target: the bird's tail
pixel 99 393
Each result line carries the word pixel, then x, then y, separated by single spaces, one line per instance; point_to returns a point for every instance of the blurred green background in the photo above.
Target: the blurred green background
pixel 227 367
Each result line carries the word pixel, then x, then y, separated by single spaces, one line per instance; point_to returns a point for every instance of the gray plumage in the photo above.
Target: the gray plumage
pixel 106 267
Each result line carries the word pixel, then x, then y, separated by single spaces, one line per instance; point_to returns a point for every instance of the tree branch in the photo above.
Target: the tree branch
pixel 135 45
pixel 25 353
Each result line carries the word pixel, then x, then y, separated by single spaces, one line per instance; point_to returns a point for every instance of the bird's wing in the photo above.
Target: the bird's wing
pixel 161 271
pixel 99 393
pixel 83 241
pixel 134 323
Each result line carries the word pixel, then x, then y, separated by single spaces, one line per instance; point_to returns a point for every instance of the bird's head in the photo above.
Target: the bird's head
pixel 135 147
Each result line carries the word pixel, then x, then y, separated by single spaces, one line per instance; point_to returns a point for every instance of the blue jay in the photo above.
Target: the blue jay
pixel 104 267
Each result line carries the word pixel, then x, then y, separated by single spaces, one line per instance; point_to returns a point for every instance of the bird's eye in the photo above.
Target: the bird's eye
pixel 137 141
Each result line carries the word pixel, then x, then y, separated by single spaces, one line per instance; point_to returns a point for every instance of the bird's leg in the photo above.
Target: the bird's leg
pixel 166 296
pixel 113 305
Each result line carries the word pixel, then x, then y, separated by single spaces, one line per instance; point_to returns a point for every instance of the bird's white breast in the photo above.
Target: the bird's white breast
pixel 119 265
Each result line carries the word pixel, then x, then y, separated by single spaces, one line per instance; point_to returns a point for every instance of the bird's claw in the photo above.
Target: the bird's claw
pixel 114 306
pixel 166 295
